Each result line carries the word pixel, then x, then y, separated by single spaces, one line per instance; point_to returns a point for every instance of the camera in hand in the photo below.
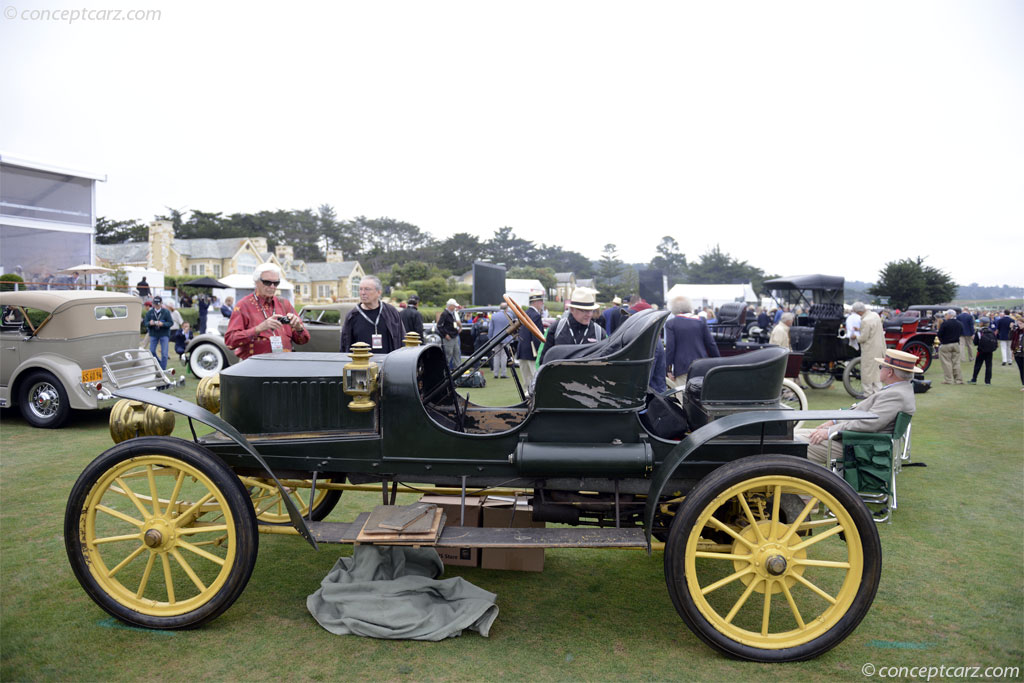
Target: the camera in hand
pixel 283 319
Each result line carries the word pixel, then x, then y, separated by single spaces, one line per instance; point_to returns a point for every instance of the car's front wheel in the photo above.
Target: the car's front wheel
pixel 206 360
pixel 43 400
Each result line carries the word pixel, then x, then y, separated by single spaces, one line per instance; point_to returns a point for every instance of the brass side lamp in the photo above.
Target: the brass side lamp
pixel 359 378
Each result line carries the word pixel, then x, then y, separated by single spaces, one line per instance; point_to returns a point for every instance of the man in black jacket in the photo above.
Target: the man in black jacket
pixel 576 327
pixel 412 319
pixel 527 350
pixel 372 321
pixel 949 334
pixel 448 328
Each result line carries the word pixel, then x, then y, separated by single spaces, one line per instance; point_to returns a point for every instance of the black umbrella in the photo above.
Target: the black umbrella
pixel 203 282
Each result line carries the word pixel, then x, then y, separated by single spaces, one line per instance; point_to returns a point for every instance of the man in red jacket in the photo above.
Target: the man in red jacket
pixel 262 322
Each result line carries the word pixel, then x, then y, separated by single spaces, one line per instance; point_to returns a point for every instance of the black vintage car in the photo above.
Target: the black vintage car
pixel 767 556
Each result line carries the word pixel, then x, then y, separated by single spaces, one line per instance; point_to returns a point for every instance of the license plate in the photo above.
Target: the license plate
pixel 92 375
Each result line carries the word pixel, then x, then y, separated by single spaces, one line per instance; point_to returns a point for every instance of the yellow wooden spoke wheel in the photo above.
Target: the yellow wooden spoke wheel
pixel 160 533
pixel 773 558
pixel 270 508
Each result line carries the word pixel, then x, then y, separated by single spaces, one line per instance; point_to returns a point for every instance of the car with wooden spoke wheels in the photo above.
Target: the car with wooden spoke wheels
pixel 586 444
pixel 160 533
pixel 760 583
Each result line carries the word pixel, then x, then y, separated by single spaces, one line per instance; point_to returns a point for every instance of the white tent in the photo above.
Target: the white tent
pixel 713 295
pixel 520 289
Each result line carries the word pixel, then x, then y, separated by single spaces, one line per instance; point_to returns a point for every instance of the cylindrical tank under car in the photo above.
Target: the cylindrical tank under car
pixel 589 460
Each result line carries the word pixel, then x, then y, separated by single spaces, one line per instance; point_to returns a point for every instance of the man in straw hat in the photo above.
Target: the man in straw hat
pixel 526 352
pixel 578 327
pixel 896 396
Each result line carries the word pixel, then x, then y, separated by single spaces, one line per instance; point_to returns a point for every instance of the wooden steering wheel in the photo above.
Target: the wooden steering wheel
pixel 523 318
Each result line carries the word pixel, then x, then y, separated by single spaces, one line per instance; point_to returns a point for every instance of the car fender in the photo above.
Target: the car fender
pixel 67 371
pixel 194 412
pixel 217 341
pixel 698 438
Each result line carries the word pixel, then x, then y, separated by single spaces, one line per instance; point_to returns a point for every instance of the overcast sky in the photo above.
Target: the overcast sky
pixel 800 136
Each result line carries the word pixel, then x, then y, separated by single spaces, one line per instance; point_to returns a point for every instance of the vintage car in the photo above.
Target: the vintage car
pixel 816 333
pixel 767 556
pixel 64 350
pixel 915 331
pixel 207 354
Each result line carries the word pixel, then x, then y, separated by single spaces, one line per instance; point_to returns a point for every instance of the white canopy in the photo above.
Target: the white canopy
pixel 240 285
pixel 713 295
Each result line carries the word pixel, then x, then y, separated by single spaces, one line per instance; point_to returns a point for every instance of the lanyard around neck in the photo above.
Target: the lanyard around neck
pixel 367 318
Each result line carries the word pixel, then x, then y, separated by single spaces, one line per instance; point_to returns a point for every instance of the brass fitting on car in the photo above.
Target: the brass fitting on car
pixel 412 339
pixel 359 379
pixel 129 419
pixel 208 393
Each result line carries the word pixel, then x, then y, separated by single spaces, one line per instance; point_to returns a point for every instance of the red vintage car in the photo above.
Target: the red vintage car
pixel 915 331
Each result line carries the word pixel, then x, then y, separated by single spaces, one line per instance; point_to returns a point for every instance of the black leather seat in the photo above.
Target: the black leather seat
pixel 742 380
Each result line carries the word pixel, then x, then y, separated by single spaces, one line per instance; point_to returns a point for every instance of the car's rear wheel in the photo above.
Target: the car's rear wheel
pixel 793 396
pixel 852 380
pixel 206 360
pixel 43 400
pixel 270 507
pixel 818 378
pixel 773 559
pixel 923 353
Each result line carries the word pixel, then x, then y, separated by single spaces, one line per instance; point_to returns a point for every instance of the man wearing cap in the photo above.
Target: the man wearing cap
pixel 448 328
pixel 949 335
pixel 578 327
pixel 614 316
pixel 896 396
pixel 527 351
pixel 412 319
pixel 159 322
pixel 372 322
pixel 262 322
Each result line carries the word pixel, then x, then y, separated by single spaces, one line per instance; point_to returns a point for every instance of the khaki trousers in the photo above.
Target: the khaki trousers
pixel 816 453
pixel 966 349
pixel 870 377
pixel 527 368
pixel 949 355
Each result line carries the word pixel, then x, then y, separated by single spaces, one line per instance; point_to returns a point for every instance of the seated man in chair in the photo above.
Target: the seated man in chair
pixel 896 396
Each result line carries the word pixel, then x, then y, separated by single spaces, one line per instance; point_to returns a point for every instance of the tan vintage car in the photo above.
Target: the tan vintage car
pixel 63 350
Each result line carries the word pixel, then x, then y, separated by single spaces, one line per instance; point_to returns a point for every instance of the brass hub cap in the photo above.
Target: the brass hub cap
pixel 159 535
pixel 776 565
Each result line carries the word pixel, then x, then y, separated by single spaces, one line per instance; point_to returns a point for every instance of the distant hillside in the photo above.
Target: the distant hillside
pixel 974 291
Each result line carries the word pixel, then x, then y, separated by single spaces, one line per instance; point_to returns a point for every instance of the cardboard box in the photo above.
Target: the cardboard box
pixel 451 505
pixel 498 511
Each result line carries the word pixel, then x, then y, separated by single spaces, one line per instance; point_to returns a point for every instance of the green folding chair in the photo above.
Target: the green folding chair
pixel 871 461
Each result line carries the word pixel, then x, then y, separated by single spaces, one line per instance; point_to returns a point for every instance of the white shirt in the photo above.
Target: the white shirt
pixel 853 329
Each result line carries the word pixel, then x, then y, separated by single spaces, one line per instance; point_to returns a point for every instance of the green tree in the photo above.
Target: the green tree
pixel 909 281
pixel 609 269
pixel 458 252
pixel 506 248
pixel 118 232
pixel 718 267
pixel 563 261
pixel 670 260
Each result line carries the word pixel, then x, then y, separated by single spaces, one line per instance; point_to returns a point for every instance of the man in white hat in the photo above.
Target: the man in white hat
pixel 448 328
pixel 896 370
pixel 578 327
pixel 614 316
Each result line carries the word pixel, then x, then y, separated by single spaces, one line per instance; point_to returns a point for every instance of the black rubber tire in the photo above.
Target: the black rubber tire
pixel 228 489
pixel 42 380
pixel 818 380
pixel 320 510
pixel 851 379
pixel 737 472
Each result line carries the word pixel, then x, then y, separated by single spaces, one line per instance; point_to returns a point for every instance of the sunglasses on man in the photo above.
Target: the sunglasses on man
pixel 270 283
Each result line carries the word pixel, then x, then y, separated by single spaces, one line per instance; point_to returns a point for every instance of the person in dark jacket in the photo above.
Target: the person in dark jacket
pixel 614 316
pixel 158 323
pixel 967 339
pixel 203 306
pixel 372 322
pixel 182 337
pixel 527 350
pixel 143 288
pixel 577 326
pixel 412 319
pixel 448 328
pixel 688 339
pixel 985 340
pixel 949 335
pixel 1003 326
pixel 227 307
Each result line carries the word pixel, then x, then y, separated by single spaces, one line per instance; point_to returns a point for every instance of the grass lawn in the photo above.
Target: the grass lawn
pixel 952 589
